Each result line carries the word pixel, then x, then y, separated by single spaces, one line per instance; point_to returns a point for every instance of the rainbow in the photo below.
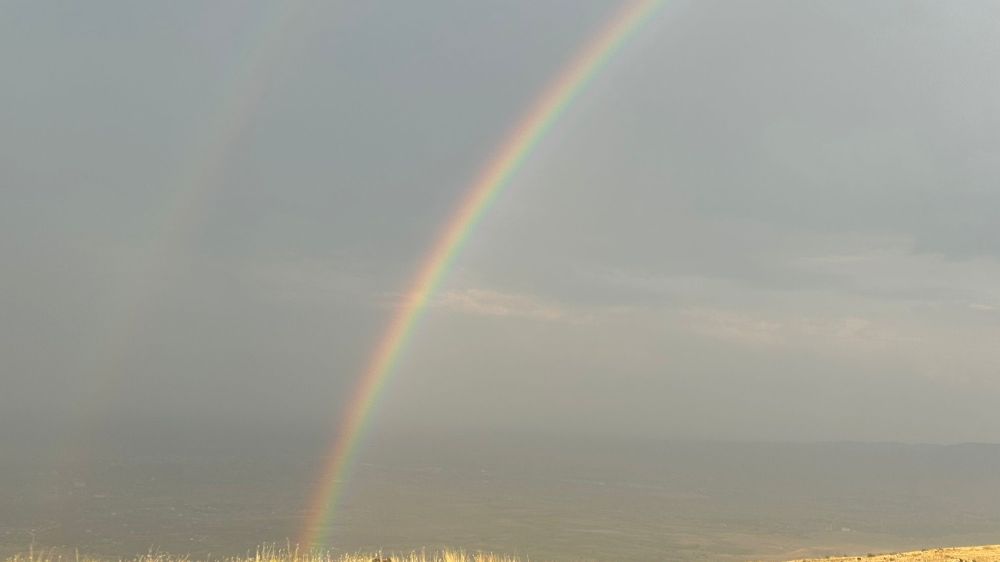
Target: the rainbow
pixel 500 169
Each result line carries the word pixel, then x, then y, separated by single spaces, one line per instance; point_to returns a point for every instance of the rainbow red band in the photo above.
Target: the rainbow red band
pixel 529 132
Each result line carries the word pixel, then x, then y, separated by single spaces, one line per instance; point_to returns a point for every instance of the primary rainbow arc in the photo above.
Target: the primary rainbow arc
pixel 512 153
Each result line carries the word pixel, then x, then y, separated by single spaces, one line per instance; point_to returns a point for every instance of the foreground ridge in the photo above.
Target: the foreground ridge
pixel 986 553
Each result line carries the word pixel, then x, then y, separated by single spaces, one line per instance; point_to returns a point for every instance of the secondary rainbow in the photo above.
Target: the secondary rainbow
pixel 184 210
pixel 491 180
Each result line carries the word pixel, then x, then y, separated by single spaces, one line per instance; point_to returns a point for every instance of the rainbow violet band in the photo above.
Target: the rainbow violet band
pixel 559 94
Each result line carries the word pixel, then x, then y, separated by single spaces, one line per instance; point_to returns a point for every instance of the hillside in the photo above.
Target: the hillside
pixel 989 553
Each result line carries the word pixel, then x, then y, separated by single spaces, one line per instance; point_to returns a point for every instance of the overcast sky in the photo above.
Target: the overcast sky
pixel 767 220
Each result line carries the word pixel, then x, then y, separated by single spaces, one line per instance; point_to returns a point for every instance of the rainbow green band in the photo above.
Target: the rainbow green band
pixel 512 153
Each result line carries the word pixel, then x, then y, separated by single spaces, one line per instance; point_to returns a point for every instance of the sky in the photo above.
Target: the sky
pixel 760 221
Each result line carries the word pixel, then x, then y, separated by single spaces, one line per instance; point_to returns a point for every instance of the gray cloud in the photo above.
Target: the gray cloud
pixel 768 220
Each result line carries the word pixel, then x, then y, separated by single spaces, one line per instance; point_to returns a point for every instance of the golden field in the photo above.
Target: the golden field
pixel 989 553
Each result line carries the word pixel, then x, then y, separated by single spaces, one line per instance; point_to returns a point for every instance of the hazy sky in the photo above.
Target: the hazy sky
pixel 768 220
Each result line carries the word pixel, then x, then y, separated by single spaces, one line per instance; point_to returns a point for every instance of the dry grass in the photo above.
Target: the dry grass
pixel 270 554
pixel 989 553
